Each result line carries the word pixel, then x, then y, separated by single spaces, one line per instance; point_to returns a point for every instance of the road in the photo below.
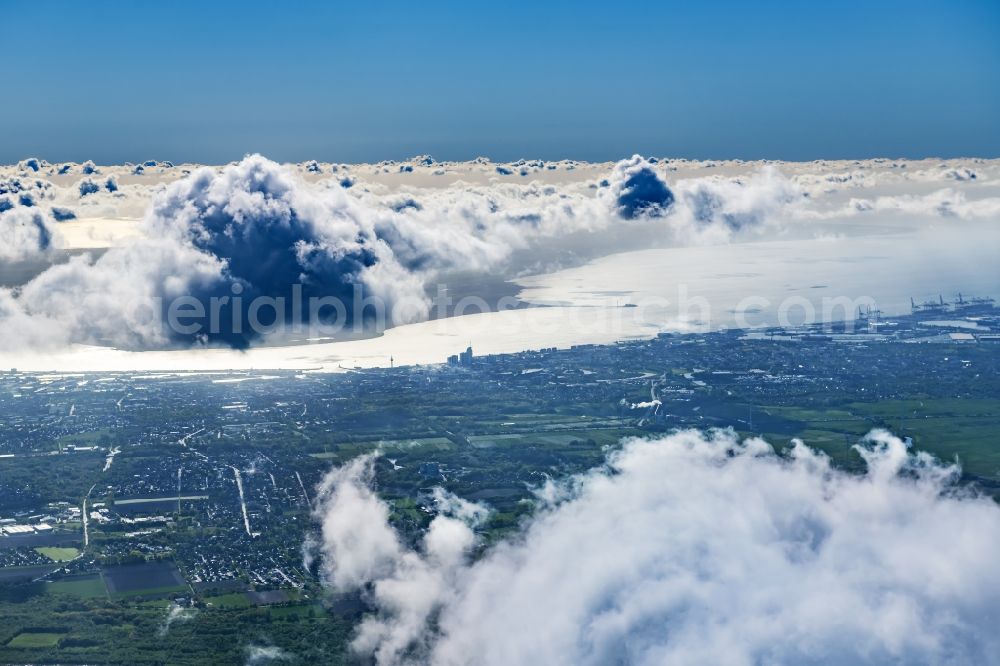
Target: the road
pixel 243 502
pixel 83 515
pixel 304 493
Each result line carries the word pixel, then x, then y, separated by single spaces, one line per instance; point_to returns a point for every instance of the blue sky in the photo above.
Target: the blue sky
pixel 211 81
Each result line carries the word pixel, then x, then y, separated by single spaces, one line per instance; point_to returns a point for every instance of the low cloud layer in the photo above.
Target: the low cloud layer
pixel 257 230
pixel 945 203
pixel 250 231
pixel 688 549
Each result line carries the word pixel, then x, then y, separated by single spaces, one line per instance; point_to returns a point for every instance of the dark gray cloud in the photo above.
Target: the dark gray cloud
pixel 33 187
pixel 90 186
pixel 639 190
pixel 61 214
pixel 32 164
pixel 87 186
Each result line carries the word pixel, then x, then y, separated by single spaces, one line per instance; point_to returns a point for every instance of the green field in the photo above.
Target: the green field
pixel 149 592
pixel 964 429
pixel 297 611
pixel 92 438
pixel 85 586
pixel 234 600
pixel 58 554
pixel 31 639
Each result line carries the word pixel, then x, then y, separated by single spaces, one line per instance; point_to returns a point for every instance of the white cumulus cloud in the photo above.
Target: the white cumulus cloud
pixel 257 228
pixel 689 549
pixel 26 232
